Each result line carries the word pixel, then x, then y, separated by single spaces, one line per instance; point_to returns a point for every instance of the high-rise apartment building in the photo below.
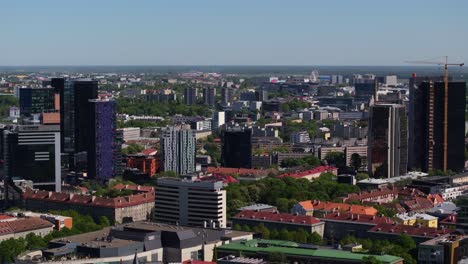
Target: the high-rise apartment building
pixel 32 152
pixel 426 123
pixel 209 96
pixel 218 119
pixel 388 141
pixel 226 96
pixel 36 100
pixel 103 148
pixel 190 203
pixel 237 147
pixel 178 150
pixel 190 95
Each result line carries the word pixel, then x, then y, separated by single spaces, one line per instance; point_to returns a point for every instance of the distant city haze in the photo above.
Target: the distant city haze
pixel 240 32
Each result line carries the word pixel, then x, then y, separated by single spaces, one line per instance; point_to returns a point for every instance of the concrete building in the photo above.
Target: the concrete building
pixel 190 95
pixel 218 119
pixel 209 96
pixel 139 242
pixel 178 150
pixel 190 203
pixel 446 249
pixel 388 141
pixel 226 96
pixel 361 151
pixel 340 224
pixel 130 133
pixel 300 137
pixel 136 207
pixel 262 161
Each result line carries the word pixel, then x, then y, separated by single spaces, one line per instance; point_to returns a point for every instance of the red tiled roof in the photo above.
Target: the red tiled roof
pixel 371 194
pixel 5 217
pixel 417 204
pixel 316 170
pixel 89 200
pixel 277 217
pixel 138 188
pixel 410 230
pixel 231 171
pixel 29 224
pixel 5 229
pixel 358 218
pixel 149 151
pixel 227 179
pixel 451 219
pixel 330 206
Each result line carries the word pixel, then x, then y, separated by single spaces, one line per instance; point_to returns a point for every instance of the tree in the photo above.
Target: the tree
pixel 356 161
pixel 237 227
pixel 284 234
pixel 11 248
pixel 274 234
pixel 282 205
pixel 264 231
pixel 406 242
pixel 35 242
pixel 362 176
pixel 133 149
pixel 246 228
pixel 300 236
pixel 336 159
pixel 315 238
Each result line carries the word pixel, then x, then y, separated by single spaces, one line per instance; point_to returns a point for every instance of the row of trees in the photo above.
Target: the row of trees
pixel 11 248
pixel 404 246
pixel 285 192
pixel 299 236
pixel 139 106
pixel 309 161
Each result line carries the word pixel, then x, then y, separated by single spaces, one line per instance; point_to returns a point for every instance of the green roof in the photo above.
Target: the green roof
pixel 291 248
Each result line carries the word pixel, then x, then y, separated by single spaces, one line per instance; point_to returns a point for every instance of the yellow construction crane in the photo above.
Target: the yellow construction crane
pixel 446 81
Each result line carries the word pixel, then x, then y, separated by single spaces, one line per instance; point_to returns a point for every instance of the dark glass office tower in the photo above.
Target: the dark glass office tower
pixel 103 148
pixel 365 91
pixel 32 152
pixel 427 125
pixel 388 141
pixel 237 148
pixel 84 90
pixel 36 100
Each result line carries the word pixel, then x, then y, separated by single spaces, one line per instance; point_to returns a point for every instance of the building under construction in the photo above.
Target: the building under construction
pixel 426 122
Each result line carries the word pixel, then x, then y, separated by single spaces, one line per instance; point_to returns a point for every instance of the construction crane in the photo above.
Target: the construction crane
pixel 446 81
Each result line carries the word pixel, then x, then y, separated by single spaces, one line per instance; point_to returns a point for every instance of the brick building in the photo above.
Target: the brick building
pixel 276 220
pixel 135 207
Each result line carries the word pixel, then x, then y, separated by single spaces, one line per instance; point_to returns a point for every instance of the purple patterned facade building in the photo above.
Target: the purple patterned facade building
pixel 104 148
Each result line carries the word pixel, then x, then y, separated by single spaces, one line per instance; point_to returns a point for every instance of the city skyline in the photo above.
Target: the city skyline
pixel 232 33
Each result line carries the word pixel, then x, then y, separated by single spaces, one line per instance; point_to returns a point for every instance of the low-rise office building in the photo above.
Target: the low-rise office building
pixel 446 249
pixel 139 242
pixel 292 252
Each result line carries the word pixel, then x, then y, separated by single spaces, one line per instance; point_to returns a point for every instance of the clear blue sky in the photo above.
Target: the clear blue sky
pixel 234 32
